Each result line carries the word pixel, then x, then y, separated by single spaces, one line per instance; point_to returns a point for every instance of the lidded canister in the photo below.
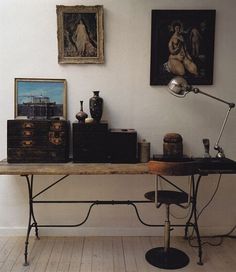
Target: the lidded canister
pixel 173 145
pixel 143 151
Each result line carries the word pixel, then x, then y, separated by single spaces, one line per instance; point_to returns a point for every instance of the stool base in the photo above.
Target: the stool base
pixel 172 259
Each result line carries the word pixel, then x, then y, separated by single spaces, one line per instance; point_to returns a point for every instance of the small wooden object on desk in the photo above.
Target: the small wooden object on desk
pixel 173 145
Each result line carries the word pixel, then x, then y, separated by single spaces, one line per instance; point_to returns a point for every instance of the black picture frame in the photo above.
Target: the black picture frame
pixel 182 44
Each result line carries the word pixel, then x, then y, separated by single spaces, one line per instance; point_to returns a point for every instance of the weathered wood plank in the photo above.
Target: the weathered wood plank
pixel 72 169
pixel 64 263
pixel 12 254
pixel 76 257
pixel 44 256
pixel 113 254
pixel 55 255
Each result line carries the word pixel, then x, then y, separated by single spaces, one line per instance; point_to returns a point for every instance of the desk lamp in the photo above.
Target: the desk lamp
pixel 179 87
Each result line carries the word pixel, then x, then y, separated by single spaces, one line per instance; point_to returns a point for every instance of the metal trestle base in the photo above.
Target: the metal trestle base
pixel 171 259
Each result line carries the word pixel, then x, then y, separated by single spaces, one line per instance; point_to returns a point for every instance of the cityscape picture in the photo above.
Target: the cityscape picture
pixel 40 98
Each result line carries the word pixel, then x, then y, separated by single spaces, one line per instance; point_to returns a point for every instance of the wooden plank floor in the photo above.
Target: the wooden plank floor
pixel 105 254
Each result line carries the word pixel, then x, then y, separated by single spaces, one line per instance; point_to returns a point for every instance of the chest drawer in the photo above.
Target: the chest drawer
pixel 37 140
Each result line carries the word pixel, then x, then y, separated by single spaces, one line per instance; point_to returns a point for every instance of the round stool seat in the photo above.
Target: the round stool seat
pixel 168 197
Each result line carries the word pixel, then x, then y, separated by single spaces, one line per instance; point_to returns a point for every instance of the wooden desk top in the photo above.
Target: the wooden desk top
pixel 202 166
pixel 72 168
pixel 151 168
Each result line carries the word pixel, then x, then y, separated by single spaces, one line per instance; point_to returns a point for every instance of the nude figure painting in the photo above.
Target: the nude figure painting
pixel 182 44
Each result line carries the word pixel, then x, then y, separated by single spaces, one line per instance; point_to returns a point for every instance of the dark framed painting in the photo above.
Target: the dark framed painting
pixel 182 44
pixel 38 98
pixel 80 32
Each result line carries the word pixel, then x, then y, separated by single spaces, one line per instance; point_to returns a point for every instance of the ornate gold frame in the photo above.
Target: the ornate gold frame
pixel 68 17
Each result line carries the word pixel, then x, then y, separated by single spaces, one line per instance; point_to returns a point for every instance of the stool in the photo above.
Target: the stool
pixel 167 257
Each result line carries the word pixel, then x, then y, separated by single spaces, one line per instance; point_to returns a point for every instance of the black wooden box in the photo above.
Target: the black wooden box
pixel 90 142
pixel 123 145
pixel 30 141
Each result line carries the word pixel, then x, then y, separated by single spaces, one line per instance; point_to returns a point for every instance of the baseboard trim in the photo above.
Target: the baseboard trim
pixel 102 231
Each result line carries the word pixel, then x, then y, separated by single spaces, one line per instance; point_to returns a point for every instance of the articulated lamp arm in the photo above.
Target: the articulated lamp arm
pixel 220 153
pixel 179 87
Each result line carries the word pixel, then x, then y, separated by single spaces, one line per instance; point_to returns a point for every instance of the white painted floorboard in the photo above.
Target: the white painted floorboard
pixel 106 254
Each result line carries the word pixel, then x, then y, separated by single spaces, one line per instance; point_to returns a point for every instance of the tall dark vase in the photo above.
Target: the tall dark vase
pixel 96 106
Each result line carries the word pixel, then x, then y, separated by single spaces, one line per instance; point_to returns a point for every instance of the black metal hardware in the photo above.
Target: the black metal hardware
pixel 32 222
pixel 193 214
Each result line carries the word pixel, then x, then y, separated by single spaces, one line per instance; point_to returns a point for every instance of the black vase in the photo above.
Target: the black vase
pixel 96 106
pixel 81 115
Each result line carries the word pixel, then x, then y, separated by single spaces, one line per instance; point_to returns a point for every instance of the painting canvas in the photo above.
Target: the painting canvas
pixel 182 44
pixel 80 34
pixel 40 98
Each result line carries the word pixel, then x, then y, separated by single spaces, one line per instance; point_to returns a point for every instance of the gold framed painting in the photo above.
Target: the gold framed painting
pixel 80 32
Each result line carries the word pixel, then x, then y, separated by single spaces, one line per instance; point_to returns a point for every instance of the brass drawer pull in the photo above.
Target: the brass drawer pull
pixel 28 125
pixel 27 133
pixel 56 126
pixel 27 143
pixel 56 141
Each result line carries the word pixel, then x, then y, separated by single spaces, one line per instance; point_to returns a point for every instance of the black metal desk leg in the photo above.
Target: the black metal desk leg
pixel 32 221
pixel 189 221
pixel 193 217
pixel 196 221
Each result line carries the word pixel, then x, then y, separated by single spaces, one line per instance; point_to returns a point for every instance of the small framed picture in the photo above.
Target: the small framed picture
pixel 80 32
pixel 37 98
pixel 182 44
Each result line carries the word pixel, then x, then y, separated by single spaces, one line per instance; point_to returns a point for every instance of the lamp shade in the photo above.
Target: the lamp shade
pixel 178 86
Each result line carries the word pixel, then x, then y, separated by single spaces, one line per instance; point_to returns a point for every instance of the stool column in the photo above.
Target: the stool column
pixel 167 229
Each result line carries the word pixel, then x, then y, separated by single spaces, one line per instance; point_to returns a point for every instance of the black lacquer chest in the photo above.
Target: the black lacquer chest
pixel 90 142
pixel 122 146
pixel 30 141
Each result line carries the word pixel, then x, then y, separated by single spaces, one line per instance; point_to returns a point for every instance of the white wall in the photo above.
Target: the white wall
pixel 28 48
